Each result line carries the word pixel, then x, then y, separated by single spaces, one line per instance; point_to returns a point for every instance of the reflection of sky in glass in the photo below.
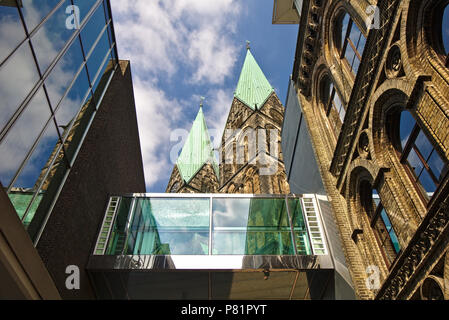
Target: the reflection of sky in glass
pixel 93 28
pixel 51 37
pixel 427 182
pixel 251 226
pixel 424 145
pixel 390 230
pixel 415 162
pixel 446 29
pixel 20 68
pixel 230 213
pixel 26 135
pixel 85 6
pixel 21 137
pixel 64 72
pixel 39 158
pixel 182 213
pixel 437 165
pixel 36 10
pixel 171 226
pixel 69 107
pixel 11 30
pixel 358 40
pixel 405 127
pixel 344 29
pixel 97 58
pixel 429 154
pixel 386 222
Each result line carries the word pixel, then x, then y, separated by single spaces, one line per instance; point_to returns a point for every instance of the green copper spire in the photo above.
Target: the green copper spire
pixel 253 87
pixel 197 150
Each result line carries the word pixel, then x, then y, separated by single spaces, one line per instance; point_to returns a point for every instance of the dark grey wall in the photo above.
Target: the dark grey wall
pixel 300 162
pixel 109 162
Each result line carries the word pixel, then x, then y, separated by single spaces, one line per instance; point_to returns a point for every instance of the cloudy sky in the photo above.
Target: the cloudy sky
pixel 181 50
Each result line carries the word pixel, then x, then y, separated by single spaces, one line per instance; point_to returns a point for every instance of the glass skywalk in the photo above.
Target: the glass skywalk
pixel 215 224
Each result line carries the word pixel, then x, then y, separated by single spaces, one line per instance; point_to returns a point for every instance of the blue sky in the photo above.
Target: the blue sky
pixel 181 50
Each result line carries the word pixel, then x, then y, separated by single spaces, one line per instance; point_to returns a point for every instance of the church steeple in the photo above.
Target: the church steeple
pixel 253 88
pixel 196 156
pixel 250 149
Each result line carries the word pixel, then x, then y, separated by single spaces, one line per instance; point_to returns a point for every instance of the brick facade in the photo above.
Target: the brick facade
pixel 402 68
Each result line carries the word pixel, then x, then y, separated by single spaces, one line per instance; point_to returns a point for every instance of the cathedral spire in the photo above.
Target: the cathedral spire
pixel 253 88
pixel 197 149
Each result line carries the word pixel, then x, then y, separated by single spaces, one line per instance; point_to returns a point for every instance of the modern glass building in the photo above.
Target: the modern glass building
pixel 56 60
pixel 67 120
pixel 217 246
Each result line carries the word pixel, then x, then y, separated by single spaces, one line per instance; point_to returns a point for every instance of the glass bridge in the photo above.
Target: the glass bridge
pixel 212 246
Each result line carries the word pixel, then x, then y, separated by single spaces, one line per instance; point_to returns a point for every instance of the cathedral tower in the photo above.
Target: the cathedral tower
pixel 251 157
pixel 196 170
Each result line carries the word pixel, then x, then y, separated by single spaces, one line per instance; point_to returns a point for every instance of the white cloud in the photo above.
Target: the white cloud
pixel 156 117
pixel 163 39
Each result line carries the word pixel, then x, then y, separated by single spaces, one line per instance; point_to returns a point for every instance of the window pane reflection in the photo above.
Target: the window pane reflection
pixel 251 226
pixel 34 11
pixel 51 37
pixel 32 178
pixel 19 69
pixel 353 44
pixel 64 72
pixel 73 101
pixel 85 6
pixel 22 136
pixel 11 30
pixel 164 226
pixel 445 28
pixel 97 57
pixel 93 29
pixel 427 165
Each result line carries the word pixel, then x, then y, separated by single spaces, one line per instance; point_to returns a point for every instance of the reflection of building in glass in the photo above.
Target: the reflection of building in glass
pixel 67 120
pixel 221 246
pixel 368 101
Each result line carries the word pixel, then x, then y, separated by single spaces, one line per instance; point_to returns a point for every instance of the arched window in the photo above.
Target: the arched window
pixel 380 222
pixel 418 154
pixel 445 33
pixel 350 42
pixel 332 104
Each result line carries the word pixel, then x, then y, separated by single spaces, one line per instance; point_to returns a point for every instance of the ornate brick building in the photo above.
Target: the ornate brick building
pixel 372 80
pixel 250 153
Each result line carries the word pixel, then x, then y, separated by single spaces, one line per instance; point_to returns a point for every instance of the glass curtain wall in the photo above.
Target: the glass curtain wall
pixel 56 57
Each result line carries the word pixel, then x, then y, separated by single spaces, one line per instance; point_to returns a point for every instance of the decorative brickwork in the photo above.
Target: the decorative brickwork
pixel 402 68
